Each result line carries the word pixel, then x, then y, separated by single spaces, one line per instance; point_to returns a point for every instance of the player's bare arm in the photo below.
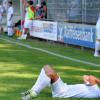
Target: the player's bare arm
pixel 98 80
pixel 91 80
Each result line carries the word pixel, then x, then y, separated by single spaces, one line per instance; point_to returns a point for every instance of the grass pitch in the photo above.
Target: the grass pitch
pixel 20 66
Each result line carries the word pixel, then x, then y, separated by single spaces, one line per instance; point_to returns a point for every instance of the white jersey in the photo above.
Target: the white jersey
pixel 10 12
pixel 1 13
pixel 10 25
pixel 62 90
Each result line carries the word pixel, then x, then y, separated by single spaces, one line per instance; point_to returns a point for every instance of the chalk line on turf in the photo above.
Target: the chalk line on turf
pixel 13 41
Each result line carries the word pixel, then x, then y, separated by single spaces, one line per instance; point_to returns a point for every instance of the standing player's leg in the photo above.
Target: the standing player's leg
pixel 97 44
pixel 27 25
pixel 24 33
pixel 46 77
pixel 97 48
pixel 10 28
pixel 1 27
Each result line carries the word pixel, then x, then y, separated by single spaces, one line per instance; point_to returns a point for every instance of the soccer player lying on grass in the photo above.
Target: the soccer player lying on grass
pixel 89 89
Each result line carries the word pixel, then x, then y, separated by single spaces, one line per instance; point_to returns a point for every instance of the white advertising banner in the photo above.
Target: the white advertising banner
pixel 44 29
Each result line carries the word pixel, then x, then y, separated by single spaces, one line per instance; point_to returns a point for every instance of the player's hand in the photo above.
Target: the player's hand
pixel 89 79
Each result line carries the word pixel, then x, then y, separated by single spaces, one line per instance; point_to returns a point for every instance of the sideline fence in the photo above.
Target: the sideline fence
pixel 80 11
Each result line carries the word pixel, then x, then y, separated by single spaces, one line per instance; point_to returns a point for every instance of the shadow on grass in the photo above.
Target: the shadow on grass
pixel 19 68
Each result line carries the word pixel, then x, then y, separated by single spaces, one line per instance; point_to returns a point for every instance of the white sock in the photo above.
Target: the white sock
pixel 10 32
pixel 42 82
pixel 97 47
pixel 23 31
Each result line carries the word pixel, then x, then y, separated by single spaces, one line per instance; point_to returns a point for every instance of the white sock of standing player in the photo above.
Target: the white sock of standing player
pixel 10 31
pixel 42 82
pixel 24 35
pixel 97 47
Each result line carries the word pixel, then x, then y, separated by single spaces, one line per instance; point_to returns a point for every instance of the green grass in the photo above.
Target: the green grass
pixel 19 67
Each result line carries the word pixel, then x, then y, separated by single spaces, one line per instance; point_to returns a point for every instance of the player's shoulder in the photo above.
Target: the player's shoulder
pixel 11 8
pixel 32 8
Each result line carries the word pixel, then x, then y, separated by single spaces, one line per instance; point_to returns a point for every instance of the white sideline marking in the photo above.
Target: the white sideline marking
pixel 49 52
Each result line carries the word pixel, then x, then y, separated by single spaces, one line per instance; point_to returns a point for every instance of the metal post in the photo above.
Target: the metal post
pixel 21 13
pixel 39 2
pixel 85 10
pixel 82 11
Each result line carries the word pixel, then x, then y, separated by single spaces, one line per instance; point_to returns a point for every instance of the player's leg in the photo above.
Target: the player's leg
pixel 97 43
pixel 25 30
pixel 97 48
pixel 27 25
pixel 10 28
pixel 10 31
pixel 47 76
pixel 51 73
pixel 1 27
pixel 24 34
pixel 43 80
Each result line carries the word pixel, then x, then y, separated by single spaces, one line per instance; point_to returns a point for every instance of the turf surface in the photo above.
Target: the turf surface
pixel 20 66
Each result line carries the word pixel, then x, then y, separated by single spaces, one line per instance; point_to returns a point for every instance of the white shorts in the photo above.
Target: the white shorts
pixel 28 24
pixel 98 29
pixel 62 90
pixel 10 23
pixel 59 89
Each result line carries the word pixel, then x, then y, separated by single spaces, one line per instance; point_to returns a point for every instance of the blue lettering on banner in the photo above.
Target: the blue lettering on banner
pixel 48 27
pixel 82 35
pixel 36 29
pixel 79 34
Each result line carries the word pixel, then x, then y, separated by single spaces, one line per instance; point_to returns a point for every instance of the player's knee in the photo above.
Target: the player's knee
pixel 48 70
pixel 92 80
pixel 47 66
